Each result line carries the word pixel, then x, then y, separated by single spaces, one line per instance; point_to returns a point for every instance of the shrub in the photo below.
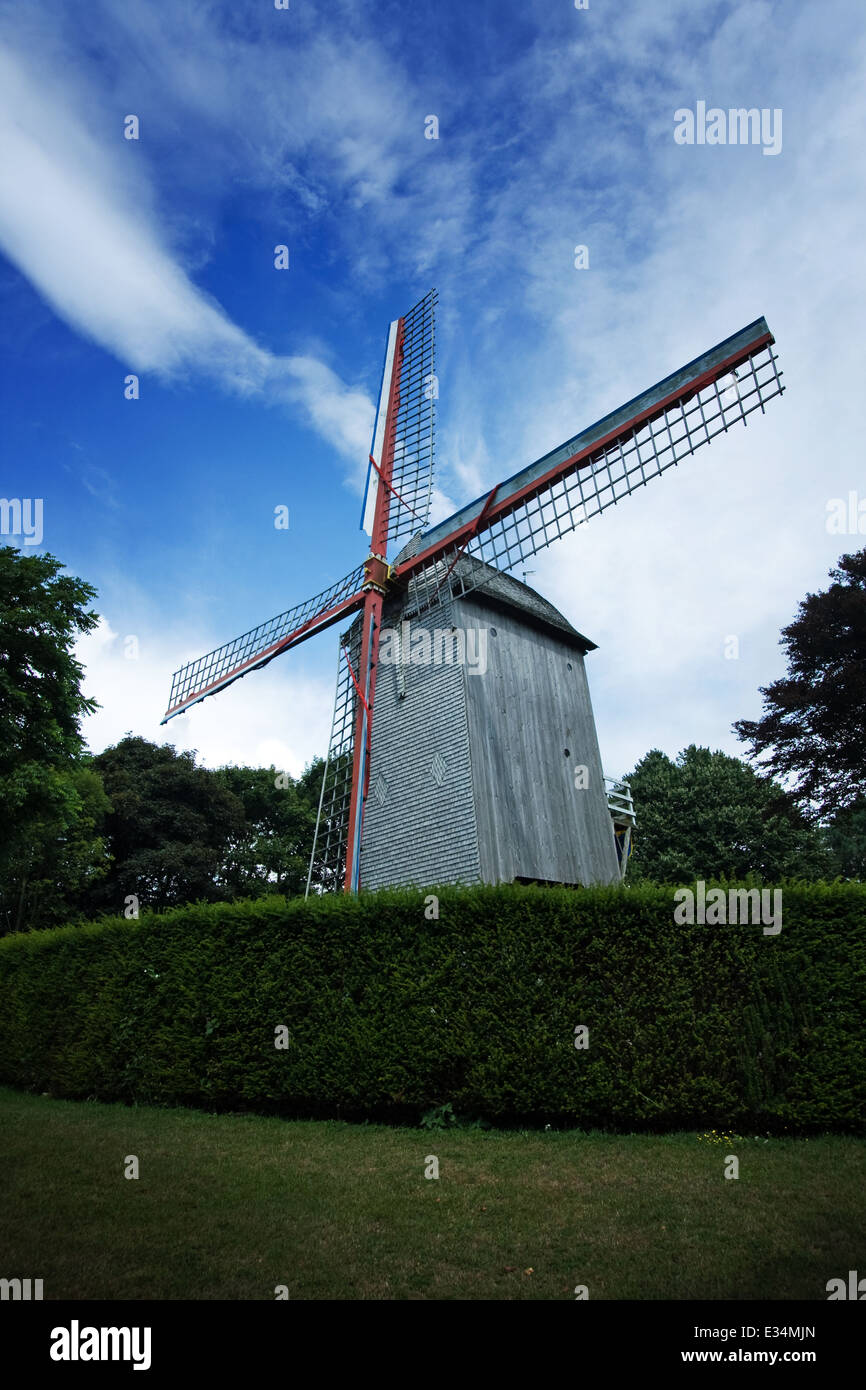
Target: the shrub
pixel 391 1016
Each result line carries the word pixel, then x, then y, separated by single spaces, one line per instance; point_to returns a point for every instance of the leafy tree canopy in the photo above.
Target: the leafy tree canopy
pixel 182 833
pixel 846 836
pixel 271 853
pixel 53 854
pixel 812 733
pixel 51 805
pixel 168 828
pixel 42 613
pixel 708 815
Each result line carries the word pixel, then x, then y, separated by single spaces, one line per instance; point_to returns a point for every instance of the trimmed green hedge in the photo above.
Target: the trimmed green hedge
pixel 391 1014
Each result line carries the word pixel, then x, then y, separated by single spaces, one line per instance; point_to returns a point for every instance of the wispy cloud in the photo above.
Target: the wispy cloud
pixel 82 230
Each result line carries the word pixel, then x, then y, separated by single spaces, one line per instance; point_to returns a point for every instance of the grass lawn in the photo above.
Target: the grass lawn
pixel 230 1206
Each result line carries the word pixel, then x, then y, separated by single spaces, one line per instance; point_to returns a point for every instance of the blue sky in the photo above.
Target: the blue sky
pixel 306 127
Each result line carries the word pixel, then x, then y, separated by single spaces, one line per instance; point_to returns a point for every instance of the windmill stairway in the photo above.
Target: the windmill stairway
pixel 621 807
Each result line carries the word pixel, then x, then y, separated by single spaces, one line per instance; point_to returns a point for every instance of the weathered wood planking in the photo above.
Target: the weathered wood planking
pixel 469 777
pixel 530 725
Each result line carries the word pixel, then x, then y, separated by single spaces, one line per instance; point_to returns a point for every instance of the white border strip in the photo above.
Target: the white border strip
pixel 371 491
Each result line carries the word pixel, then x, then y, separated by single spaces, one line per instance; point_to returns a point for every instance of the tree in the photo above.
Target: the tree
pixel 82 834
pixel 271 852
pixel 813 729
pixel 169 828
pixel 50 807
pixel 41 614
pixel 180 833
pixel 709 815
pixel 53 855
pixel 846 836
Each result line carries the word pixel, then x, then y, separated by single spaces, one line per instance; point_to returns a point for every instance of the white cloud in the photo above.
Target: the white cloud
pixel 82 231
pixel 341 415
pixel 278 717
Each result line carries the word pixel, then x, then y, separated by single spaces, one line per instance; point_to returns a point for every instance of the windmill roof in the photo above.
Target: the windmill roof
pixel 504 591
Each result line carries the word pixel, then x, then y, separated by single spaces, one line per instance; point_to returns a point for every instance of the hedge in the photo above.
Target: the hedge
pixel 392 1013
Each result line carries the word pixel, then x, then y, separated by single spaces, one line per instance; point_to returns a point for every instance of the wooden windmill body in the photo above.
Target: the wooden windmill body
pixel 485 765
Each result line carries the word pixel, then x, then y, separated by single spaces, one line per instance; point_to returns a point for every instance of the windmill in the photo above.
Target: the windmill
pixel 460 567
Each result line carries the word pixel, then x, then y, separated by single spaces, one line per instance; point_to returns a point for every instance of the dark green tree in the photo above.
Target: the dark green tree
pixel 62 854
pixel 50 806
pixel 271 852
pixel 169 829
pixel 310 782
pixel 42 613
pixel 846 836
pixel 812 734
pixel 708 815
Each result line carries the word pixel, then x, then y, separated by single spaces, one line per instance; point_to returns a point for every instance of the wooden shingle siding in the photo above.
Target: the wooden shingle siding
pixel 424 831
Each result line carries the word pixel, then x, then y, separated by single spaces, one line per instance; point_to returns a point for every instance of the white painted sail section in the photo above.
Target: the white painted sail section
pixel 371 491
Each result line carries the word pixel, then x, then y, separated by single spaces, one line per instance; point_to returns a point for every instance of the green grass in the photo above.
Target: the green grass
pixel 230 1206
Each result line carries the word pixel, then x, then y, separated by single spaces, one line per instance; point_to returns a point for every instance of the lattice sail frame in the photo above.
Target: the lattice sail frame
pixel 261 644
pixel 412 443
pixel 596 480
pixel 414 430
pixel 328 859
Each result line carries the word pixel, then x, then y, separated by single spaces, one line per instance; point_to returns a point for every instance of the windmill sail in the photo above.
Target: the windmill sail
pixel 598 467
pixel 328 858
pixel 377 448
pixel 261 644
pixel 410 388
